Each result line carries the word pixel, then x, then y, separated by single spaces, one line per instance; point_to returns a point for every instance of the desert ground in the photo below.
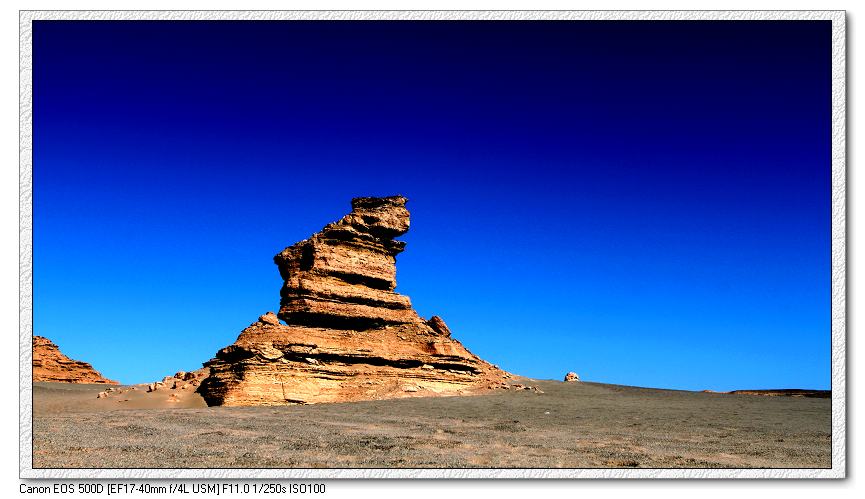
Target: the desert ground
pixel 568 425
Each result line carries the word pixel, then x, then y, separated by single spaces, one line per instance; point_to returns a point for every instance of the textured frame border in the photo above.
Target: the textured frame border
pixel 839 434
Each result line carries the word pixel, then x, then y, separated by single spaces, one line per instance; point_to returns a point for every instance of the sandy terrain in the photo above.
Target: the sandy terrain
pixel 570 425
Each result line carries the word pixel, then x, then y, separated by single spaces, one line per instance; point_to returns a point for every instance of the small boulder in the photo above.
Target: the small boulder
pixel 102 395
pixel 438 325
pixel 179 375
pixel 269 318
pixel 571 376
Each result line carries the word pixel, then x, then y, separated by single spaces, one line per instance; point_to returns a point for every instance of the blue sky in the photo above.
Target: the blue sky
pixel 644 203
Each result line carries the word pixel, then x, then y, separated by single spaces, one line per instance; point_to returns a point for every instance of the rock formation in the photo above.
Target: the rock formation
pixel 572 376
pixel 49 364
pixel 347 334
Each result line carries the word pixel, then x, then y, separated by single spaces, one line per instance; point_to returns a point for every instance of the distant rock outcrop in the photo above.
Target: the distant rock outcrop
pixel 49 364
pixel 572 376
pixel 347 334
pixel 792 392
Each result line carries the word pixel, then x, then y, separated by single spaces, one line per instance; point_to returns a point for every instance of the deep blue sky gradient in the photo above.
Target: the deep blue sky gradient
pixel 644 203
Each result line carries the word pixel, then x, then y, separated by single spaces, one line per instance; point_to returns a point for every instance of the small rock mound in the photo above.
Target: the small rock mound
pixel 170 388
pixel 571 376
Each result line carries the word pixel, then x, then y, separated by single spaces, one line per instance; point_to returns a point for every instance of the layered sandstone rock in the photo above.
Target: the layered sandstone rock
pixel 49 364
pixel 347 335
pixel 345 275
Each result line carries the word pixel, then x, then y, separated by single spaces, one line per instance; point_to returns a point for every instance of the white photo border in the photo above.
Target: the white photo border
pixel 839 434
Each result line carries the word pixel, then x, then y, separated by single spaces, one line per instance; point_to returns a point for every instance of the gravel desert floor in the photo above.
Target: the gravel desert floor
pixel 569 425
